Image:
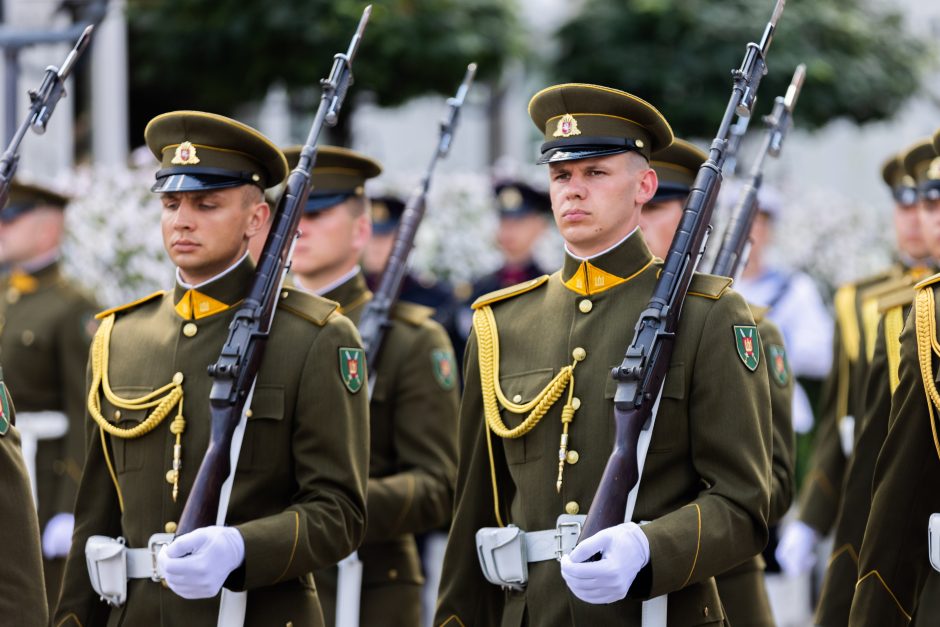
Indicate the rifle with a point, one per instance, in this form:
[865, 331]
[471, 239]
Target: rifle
[234, 373]
[735, 246]
[641, 374]
[375, 319]
[42, 103]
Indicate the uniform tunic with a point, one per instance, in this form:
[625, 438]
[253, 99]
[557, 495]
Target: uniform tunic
[299, 492]
[893, 563]
[46, 325]
[22, 593]
[742, 590]
[413, 461]
[706, 482]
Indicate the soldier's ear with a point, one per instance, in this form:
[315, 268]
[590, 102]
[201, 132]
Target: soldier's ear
[260, 214]
[648, 184]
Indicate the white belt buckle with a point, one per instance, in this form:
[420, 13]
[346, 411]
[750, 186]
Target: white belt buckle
[560, 527]
[156, 542]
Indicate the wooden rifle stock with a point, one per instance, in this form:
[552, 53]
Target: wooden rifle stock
[641, 375]
[235, 371]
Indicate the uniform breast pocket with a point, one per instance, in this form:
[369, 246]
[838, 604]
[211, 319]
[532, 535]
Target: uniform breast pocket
[128, 453]
[264, 438]
[671, 424]
[520, 388]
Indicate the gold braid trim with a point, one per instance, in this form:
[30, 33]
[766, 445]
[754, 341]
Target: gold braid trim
[161, 400]
[484, 325]
[848, 320]
[894, 324]
[925, 325]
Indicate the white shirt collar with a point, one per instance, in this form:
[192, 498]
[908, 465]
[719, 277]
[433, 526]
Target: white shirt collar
[188, 286]
[330, 286]
[603, 252]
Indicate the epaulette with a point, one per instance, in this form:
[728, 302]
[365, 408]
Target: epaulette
[709, 285]
[893, 284]
[899, 298]
[509, 292]
[140, 301]
[758, 312]
[928, 281]
[413, 314]
[315, 309]
[847, 316]
[892, 272]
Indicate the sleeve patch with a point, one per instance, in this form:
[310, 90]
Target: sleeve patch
[747, 342]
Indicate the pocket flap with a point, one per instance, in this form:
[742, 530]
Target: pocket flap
[267, 403]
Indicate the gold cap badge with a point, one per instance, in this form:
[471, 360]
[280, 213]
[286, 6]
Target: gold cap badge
[185, 154]
[510, 198]
[567, 126]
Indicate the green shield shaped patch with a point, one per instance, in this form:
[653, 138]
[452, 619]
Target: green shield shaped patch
[747, 341]
[4, 409]
[445, 368]
[779, 368]
[352, 368]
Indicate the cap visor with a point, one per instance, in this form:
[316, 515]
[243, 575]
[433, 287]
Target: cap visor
[555, 155]
[193, 183]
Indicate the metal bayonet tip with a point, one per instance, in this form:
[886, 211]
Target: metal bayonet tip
[777, 11]
[796, 84]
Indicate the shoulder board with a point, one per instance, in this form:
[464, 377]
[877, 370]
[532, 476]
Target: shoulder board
[878, 290]
[140, 301]
[928, 281]
[411, 313]
[307, 306]
[892, 272]
[899, 298]
[759, 312]
[509, 292]
[709, 285]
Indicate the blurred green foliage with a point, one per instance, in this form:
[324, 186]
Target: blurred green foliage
[861, 62]
[218, 54]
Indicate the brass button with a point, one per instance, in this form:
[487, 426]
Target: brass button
[171, 476]
[579, 354]
[28, 337]
[284, 294]
[572, 457]
[170, 527]
[705, 612]
[576, 403]
[249, 413]
[585, 306]
[190, 329]
[392, 574]
[178, 378]
[572, 507]
[13, 295]
[117, 414]
[517, 398]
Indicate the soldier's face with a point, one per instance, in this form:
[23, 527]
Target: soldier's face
[330, 242]
[910, 234]
[206, 232]
[30, 235]
[659, 221]
[516, 237]
[597, 201]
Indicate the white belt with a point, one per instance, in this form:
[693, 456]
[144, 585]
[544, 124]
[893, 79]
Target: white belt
[551, 544]
[142, 563]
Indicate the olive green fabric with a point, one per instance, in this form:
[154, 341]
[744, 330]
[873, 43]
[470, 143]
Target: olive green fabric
[893, 174]
[574, 114]
[337, 169]
[45, 328]
[838, 586]
[24, 197]
[194, 140]
[936, 141]
[22, 591]
[677, 165]
[920, 162]
[893, 565]
[822, 490]
[742, 590]
[413, 462]
[706, 482]
[299, 493]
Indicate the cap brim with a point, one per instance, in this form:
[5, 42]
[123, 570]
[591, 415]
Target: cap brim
[321, 202]
[194, 183]
[573, 153]
[12, 211]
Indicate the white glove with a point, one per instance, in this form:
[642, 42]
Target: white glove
[796, 551]
[195, 565]
[57, 536]
[625, 550]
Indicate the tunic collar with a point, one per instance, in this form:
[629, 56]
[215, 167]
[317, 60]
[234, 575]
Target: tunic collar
[351, 294]
[215, 295]
[610, 268]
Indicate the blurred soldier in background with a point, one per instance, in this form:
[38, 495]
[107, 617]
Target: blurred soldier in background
[46, 325]
[413, 408]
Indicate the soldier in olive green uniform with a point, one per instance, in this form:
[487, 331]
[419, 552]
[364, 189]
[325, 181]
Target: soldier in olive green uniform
[894, 564]
[536, 420]
[298, 498]
[854, 342]
[22, 593]
[46, 324]
[413, 412]
[742, 589]
[893, 300]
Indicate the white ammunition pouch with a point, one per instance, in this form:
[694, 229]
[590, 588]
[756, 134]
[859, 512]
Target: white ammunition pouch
[847, 435]
[111, 564]
[505, 552]
[933, 541]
